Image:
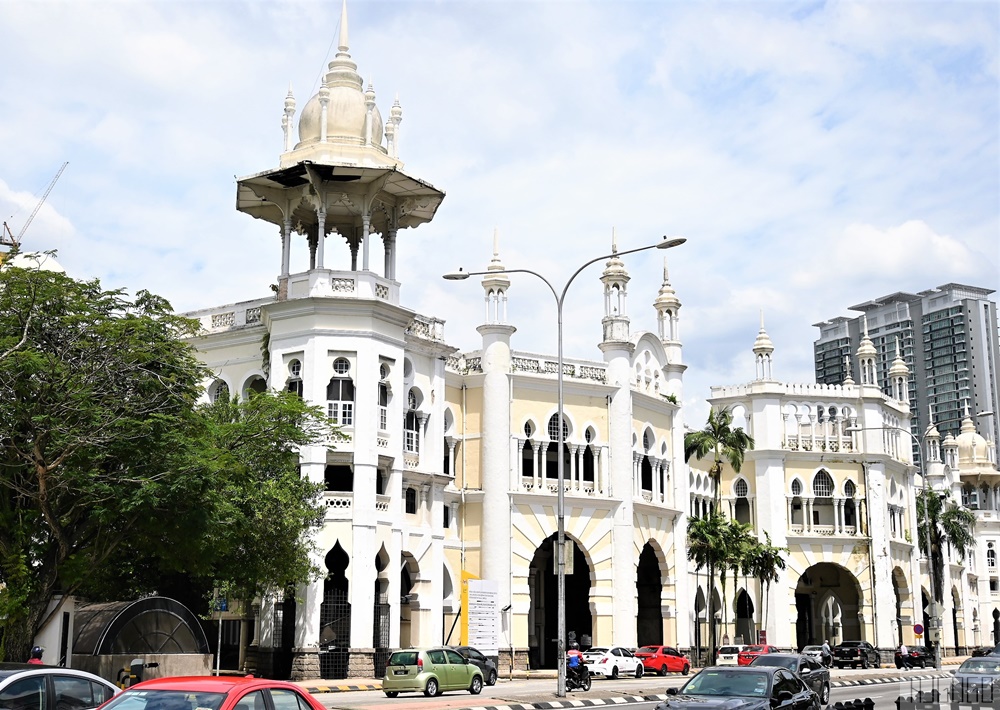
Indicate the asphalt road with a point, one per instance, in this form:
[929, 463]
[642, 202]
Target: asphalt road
[511, 692]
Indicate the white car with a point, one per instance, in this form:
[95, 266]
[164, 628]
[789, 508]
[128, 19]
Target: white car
[612, 662]
[729, 655]
[26, 685]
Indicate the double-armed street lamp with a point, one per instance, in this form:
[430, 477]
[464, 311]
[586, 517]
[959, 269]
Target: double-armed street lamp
[560, 500]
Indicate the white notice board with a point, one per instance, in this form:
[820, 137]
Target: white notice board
[484, 616]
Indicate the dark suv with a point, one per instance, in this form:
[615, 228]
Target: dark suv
[854, 654]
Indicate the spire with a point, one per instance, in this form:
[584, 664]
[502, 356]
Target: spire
[615, 279]
[899, 375]
[343, 45]
[667, 304]
[932, 431]
[495, 284]
[848, 380]
[968, 426]
[866, 357]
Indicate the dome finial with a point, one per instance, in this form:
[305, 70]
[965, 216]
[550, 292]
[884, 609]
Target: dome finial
[496, 243]
[848, 380]
[614, 241]
[342, 44]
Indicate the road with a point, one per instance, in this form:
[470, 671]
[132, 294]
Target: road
[506, 692]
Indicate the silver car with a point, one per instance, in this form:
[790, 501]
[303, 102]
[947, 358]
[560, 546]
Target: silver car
[977, 681]
[33, 687]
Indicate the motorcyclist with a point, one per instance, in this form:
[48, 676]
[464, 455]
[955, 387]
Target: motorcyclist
[574, 662]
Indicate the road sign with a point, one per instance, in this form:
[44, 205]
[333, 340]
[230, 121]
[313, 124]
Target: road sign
[918, 629]
[934, 609]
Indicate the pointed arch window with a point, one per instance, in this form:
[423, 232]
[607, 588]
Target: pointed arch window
[991, 557]
[552, 451]
[411, 501]
[823, 485]
[411, 425]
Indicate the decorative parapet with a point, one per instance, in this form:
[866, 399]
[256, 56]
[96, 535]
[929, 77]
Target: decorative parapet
[426, 328]
[233, 316]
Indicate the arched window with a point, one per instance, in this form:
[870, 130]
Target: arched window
[796, 487]
[647, 441]
[294, 383]
[411, 426]
[218, 390]
[553, 428]
[340, 394]
[742, 508]
[411, 501]
[849, 489]
[823, 485]
[991, 556]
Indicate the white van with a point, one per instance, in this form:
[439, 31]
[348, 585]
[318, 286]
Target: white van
[729, 655]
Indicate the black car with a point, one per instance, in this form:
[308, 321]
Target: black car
[854, 654]
[986, 651]
[915, 658]
[476, 658]
[742, 688]
[814, 673]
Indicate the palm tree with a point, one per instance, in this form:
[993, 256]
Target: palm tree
[728, 445]
[765, 562]
[705, 538]
[736, 543]
[943, 523]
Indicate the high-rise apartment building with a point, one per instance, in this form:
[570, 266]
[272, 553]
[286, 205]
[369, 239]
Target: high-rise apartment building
[947, 336]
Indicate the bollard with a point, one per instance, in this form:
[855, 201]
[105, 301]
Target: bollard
[869, 704]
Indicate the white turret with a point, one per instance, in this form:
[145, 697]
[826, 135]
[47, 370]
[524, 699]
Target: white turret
[866, 357]
[763, 348]
[286, 118]
[899, 377]
[932, 437]
[615, 279]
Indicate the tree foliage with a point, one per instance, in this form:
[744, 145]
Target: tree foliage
[943, 524]
[110, 471]
[725, 443]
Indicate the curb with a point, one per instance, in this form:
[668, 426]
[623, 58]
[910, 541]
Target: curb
[590, 702]
[315, 689]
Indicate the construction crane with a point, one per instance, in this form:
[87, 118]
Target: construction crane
[6, 236]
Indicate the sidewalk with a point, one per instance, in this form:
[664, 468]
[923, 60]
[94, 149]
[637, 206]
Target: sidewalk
[838, 678]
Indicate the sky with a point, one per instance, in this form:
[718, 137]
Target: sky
[815, 155]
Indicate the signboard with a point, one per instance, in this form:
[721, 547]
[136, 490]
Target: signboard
[934, 609]
[918, 629]
[480, 614]
[762, 637]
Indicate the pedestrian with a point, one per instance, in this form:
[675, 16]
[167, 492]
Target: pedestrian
[904, 656]
[36, 656]
[827, 654]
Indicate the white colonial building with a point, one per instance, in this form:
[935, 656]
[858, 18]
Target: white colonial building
[448, 469]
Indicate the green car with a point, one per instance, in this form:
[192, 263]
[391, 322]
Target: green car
[430, 670]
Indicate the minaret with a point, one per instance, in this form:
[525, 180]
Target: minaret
[495, 449]
[668, 307]
[932, 437]
[867, 355]
[899, 377]
[618, 349]
[763, 348]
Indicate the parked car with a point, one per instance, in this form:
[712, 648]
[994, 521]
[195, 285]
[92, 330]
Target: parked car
[854, 654]
[818, 654]
[915, 657]
[24, 685]
[746, 656]
[430, 671]
[213, 693]
[484, 664]
[729, 655]
[612, 662]
[663, 660]
[986, 651]
[811, 671]
[742, 688]
[977, 680]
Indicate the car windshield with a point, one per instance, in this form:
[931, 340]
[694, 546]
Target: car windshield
[771, 659]
[165, 700]
[807, 649]
[981, 666]
[719, 681]
[851, 644]
[597, 651]
[648, 649]
[729, 649]
[753, 649]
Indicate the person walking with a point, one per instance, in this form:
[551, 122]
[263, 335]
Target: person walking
[827, 654]
[904, 656]
[36, 656]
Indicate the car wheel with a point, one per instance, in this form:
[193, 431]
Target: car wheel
[492, 680]
[477, 685]
[638, 671]
[923, 664]
[663, 669]
[864, 663]
[824, 697]
[686, 669]
[614, 673]
[432, 688]
[392, 693]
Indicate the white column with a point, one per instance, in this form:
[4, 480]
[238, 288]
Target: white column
[320, 236]
[366, 223]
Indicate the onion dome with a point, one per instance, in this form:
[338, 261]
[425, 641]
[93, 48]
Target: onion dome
[667, 297]
[899, 368]
[763, 342]
[615, 268]
[972, 448]
[348, 103]
[866, 348]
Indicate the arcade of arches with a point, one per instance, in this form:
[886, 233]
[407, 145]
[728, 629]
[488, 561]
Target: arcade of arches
[827, 601]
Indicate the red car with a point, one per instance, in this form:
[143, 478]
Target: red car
[213, 693]
[663, 660]
[751, 652]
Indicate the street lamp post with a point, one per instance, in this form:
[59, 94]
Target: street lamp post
[560, 494]
[935, 619]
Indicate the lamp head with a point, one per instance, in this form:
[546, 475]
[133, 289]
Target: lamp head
[670, 243]
[456, 275]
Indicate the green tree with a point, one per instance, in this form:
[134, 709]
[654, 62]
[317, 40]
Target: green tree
[725, 443]
[109, 469]
[764, 562]
[705, 539]
[735, 545]
[943, 523]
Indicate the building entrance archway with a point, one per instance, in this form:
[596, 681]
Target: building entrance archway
[828, 600]
[648, 585]
[543, 618]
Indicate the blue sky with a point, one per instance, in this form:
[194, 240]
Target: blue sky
[815, 155]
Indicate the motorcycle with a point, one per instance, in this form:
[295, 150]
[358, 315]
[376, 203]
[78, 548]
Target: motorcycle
[579, 680]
